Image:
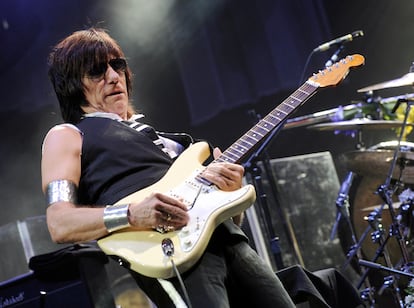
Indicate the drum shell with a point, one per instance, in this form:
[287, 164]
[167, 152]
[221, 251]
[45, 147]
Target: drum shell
[364, 198]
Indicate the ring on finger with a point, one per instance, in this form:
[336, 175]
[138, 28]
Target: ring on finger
[163, 228]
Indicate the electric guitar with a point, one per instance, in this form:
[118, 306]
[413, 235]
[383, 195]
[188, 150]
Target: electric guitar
[145, 251]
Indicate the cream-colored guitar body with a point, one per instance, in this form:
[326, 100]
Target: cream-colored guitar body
[142, 249]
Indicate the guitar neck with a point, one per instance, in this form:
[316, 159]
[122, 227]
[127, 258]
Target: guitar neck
[238, 151]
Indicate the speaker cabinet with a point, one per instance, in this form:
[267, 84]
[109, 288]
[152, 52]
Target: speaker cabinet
[21, 240]
[299, 208]
[26, 291]
[19, 287]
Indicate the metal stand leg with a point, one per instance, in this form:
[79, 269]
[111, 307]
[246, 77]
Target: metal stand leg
[255, 174]
[257, 234]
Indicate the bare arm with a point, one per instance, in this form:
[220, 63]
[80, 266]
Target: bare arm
[61, 161]
[68, 222]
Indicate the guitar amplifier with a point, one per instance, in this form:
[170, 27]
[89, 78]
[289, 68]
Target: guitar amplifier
[21, 240]
[28, 291]
[74, 276]
[306, 188]
[19, 287]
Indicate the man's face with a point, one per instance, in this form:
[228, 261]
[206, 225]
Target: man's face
[105, 87]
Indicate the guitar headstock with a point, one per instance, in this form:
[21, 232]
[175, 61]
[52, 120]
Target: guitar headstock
[332, 75]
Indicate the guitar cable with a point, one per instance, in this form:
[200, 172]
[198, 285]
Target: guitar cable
[168, 249]
[180, 280]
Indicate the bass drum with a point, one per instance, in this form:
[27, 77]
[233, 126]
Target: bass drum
[364, 199]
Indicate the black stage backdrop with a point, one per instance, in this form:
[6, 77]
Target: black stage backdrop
[200, 66]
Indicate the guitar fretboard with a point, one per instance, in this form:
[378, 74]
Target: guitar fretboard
[245, 144]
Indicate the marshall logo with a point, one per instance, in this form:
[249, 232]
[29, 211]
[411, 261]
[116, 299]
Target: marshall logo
[11, 300]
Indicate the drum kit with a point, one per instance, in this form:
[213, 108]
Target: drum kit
[375, 204]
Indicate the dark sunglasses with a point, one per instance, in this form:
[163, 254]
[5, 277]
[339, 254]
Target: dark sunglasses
[98, 70]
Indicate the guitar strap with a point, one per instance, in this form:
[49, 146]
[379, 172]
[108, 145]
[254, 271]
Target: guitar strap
[148, 130]
[169, 146]
[172, 293]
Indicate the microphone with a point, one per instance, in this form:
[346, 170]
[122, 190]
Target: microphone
[339, 40]
[342, 202]
[344, 190]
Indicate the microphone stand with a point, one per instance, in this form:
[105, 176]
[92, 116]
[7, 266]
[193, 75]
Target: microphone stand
[335, 57]
[255, 173]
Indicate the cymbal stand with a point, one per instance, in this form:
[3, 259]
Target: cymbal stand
[384, 268]
[386, 193]
[355, 249]
[395, 228]
[389, 279]
[378, 236]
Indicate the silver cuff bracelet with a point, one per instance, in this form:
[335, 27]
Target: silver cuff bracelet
[61, 190]
[116, 217]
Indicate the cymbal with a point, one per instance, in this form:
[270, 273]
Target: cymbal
[406, 80]
[339, 113]
[378, 163]
[357, 124]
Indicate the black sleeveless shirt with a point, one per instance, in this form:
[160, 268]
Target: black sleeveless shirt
[116, 161]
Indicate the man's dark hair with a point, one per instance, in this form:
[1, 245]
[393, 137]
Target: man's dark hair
[71, 59]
